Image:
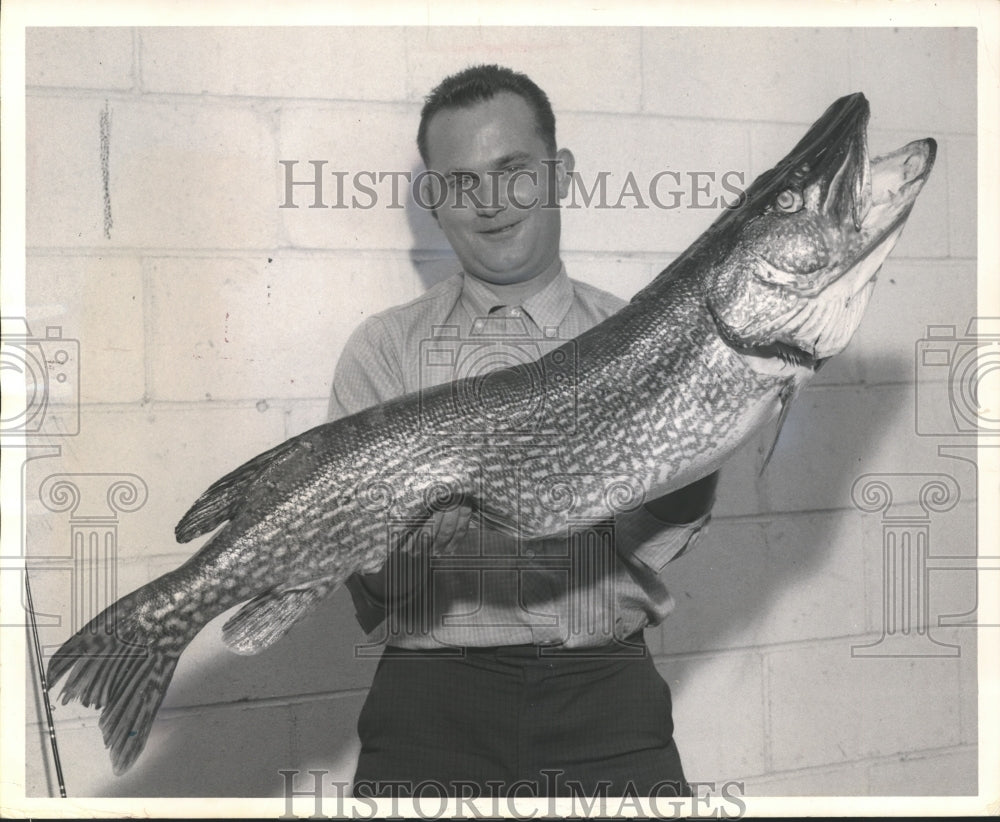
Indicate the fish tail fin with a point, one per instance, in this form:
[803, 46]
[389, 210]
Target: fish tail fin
[116, 664]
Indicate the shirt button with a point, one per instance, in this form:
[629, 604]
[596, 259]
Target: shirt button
[515, 312]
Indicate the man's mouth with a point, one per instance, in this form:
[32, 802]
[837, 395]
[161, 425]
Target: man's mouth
[501, 230]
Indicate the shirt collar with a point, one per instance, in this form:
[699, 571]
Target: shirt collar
[547, 308]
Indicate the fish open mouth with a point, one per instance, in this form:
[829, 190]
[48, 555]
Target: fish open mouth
[864, 200]
[817, 228]
[889, 184]
[886, 190]
[874, 196]
[874, 193]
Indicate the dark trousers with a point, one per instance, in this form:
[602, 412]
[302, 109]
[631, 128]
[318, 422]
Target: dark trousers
[518, 721]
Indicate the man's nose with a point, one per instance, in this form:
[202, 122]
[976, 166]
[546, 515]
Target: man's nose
[490, 199]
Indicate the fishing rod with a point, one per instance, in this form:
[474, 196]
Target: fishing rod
[45, 687]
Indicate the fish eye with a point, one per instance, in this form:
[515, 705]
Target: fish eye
[789, 201]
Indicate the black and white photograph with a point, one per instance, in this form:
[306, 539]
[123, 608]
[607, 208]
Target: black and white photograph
[462, 413]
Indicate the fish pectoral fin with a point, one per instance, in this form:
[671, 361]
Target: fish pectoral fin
[788, 393]
[267, 618]
[497, 523]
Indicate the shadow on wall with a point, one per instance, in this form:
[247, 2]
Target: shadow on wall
[724, 590]
[238, 748]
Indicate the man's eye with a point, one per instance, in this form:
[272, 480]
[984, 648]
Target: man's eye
[462, 179]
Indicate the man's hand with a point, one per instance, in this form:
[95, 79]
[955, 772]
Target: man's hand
[448, 528]
[662, 529]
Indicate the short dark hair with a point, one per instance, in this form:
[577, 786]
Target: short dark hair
[479, 83]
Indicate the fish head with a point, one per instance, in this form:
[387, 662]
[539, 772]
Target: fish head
[800, 255]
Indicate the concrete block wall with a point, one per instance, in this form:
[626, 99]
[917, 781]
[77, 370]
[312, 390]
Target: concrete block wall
[209, 321]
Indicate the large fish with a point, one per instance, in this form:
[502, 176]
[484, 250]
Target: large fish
[712, 350]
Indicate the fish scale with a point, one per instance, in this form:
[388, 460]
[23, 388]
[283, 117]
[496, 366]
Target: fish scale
[649, 401]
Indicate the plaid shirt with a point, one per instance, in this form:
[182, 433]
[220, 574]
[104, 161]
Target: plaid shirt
[582, 590]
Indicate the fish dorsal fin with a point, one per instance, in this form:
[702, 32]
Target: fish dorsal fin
[788, 393]
[220, 501]
[267, 618]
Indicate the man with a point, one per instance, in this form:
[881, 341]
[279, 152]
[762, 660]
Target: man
[508, 667]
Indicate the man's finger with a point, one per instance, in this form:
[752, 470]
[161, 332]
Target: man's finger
[450, 526]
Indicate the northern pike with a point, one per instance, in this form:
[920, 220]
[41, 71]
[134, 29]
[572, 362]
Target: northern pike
[712, 350]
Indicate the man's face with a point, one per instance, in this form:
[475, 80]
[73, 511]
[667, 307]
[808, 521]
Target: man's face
[490, 158]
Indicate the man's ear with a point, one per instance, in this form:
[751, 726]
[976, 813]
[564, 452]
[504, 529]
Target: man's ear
[565, 163]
